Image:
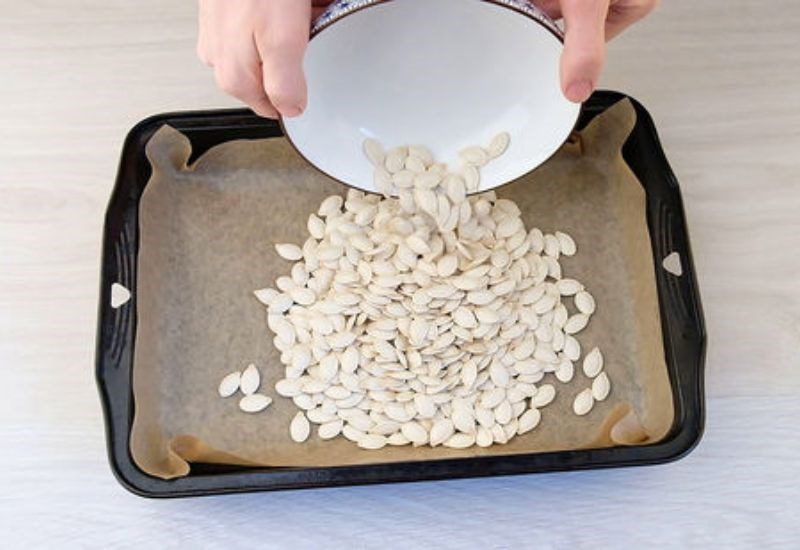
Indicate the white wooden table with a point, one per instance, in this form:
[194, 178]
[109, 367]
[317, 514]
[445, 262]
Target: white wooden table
[723, 84]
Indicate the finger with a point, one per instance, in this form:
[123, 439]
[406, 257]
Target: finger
[584, 47]
[239, 74]
[624, 13]
[282, 44]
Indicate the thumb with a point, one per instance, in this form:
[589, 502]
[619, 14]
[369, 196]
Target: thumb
[584, 47]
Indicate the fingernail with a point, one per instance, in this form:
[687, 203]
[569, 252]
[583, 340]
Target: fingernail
[295, 110]
[580, 91]
[264, 113]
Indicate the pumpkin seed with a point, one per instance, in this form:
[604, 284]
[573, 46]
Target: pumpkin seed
[593, 363]
[601, 386]
[428, 319]
[255, 402]
[230, 384]
[250, 380]
[288, 251]
[583, 402]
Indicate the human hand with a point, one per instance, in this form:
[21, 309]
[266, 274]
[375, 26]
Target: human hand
[589, 24]
[256, 47]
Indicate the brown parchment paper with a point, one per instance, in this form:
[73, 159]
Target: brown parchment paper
[206, 242]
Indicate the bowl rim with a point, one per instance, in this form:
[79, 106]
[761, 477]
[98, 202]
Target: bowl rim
[543, 20]
[534, 13]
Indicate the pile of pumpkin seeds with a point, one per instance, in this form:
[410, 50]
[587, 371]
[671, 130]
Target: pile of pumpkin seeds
[429, 315]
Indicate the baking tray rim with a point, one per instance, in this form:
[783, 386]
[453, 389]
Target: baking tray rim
[682, 323]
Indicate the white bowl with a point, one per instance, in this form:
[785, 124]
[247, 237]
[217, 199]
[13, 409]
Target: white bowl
[446, 74]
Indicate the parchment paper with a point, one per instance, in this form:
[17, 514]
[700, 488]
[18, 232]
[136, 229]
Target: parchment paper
[206, 242]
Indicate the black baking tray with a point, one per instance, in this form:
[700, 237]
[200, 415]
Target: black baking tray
[679, 303]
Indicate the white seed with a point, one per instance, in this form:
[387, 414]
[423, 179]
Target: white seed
[484, 416]
[330, 206]
[302, 296]
[288, 251]
[319, 416]
[566, 243]
[255, 402]
[422, 153]
[329, 253]
[536, 237]
[425, 406]
[585, 303]
[299, 429]
[583, 402]
[415, 165]
[572, 349]
[415, 433]
[507, 227]
[463, 420]
[492, 398]
[524, 350]
[395, 159]
[352, 434]
[229, 384]
[576, 323]
[528, 421]
[447, 265]
[288, 388]
[321, 324]
[441, 431]
[483, 437]
[499, 375]
[331, 429]
[480, 297]
[349, 360]
[568, 287]
[565, 371]
[472, 178]
[418, 245]
[474, 156]
[328, 367]
[426, 200]
[593, 363]
[372, 441]
[503, 412]
[487, 315]
[341, 340]
[510, 429]
[460, 440]
[498, 144]
[397, 439]
[544, 396]
[316, 227]
[552, 247]
[374, 151]
[250, 380]
[456, 189]
[465, 318]
[601, 386]
[266, 295]
[285, 284]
